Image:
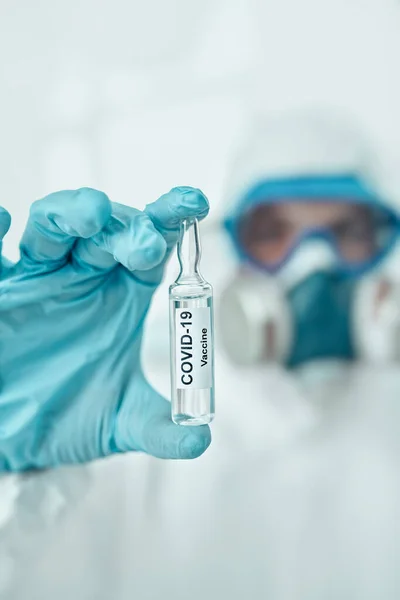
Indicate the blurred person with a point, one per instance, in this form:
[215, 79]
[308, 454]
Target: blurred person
[309, 220]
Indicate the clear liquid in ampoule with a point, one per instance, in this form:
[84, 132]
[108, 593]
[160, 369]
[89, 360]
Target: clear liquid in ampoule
[191, 332]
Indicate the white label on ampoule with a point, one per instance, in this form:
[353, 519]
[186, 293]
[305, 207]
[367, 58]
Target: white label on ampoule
[193, 348]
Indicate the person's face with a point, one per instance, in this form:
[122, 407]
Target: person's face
[269, 231]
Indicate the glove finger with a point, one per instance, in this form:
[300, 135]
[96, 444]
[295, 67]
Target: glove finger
[144, 423]
[133, 238]
[167, 213]
[56, 221]
[129, 238]
[170, 209]
[5, 222]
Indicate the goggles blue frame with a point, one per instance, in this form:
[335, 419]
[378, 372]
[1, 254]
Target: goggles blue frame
[319, 189]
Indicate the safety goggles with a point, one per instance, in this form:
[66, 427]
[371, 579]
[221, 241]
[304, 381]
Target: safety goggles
[360, 232]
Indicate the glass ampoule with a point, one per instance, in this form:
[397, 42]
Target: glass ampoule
[191, 335]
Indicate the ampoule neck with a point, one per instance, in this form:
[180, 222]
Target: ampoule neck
[189, 252]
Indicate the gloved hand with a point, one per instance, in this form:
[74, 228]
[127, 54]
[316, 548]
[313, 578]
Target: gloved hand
[71, 322]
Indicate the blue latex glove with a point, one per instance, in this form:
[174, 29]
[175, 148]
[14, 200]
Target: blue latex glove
[71, 322]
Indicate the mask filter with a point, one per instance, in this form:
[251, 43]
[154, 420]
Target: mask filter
[377, 320]
[254, 320]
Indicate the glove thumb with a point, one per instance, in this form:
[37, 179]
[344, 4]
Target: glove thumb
[143, 422]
